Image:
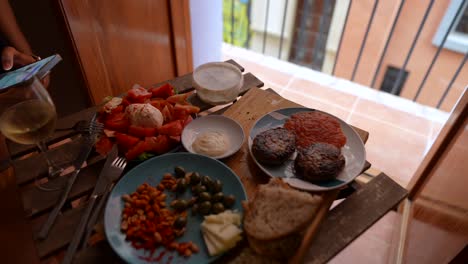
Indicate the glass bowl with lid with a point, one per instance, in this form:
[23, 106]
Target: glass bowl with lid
[217, 82]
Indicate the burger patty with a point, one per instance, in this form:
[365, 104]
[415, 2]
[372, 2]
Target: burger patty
[319, 162]
[274, 146]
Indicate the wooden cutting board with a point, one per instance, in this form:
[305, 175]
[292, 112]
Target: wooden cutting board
[253, 105]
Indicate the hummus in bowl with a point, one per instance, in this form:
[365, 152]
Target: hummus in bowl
[215, 136]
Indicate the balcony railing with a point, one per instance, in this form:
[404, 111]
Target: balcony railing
[305, 31]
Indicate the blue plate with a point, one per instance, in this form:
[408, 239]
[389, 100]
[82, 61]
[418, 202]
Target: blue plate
[353, 152]
[151, 172]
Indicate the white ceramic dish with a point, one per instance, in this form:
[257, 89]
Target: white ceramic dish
[353, 152]
[215, 123]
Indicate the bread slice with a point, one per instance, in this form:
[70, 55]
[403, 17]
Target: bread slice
[277, 211]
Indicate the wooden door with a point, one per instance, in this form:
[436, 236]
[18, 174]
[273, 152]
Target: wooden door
[121, 43]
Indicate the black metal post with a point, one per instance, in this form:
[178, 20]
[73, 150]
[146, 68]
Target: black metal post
[441, 46]
[363, 44]
[452, 81]
[392, 29]
[402, 69]
[341, 36]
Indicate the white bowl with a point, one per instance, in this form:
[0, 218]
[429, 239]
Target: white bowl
[225, 125]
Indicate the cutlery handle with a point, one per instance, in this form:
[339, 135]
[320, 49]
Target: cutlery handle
[94, 217]
[53, 215]
[74, 244]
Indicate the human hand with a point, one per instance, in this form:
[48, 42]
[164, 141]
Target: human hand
[13, 58]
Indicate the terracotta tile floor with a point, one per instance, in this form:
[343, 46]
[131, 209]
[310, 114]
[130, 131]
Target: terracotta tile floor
[401, 132]
[398, 139]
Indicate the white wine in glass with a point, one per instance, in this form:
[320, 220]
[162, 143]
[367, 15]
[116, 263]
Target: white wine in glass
[28, 116]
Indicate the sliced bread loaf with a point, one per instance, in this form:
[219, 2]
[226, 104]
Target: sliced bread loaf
[277, 211]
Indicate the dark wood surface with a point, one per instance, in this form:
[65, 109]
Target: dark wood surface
[349, 219]
[37, 204]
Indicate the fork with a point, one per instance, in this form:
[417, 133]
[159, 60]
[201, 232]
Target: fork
[106, 178]
[120, 163]
[83, 127]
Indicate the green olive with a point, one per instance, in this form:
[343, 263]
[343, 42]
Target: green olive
[207, 181]
[216, 186]
[217, 208]
[192, 201]
[195, 178]
[204, 196]
[179, 172]
[217, 197]
[196, 190]
[180, 222]
[229, 201]
[205, 208]
[179, 204]
[181, 185]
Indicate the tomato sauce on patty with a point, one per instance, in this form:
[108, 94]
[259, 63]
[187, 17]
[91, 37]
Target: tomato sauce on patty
[313, 127]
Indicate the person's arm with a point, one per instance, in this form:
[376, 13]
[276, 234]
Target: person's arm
[10, 29]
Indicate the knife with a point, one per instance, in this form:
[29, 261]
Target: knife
[104, 180]
[78, 163]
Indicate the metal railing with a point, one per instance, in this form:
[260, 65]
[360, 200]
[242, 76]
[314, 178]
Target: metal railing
[300, 50]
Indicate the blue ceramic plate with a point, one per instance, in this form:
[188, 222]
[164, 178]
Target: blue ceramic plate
[353, 152]
[151, 172]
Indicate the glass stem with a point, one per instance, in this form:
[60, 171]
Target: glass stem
[54, 170]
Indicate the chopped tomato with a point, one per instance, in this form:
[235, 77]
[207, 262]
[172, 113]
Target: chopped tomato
[159, 144]
[142, 131]
[104, 145]
[163, 91]
[188, 120]
[126, 141]
[166, 112]
[138, 149]
[109, 133]
[138, 95]
[179, 114]
[118, 109]
[179, 98]
[159, 103]
[190, 109]
[175, 138]
[173, 128]
[125, 101]
[117, 122]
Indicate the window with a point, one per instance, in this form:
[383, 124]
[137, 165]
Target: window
[457, 40]
[390, 78]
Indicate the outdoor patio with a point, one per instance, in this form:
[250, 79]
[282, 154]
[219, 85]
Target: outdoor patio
[401, 132]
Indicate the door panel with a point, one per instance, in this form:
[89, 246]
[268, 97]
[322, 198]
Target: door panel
[434, 225]
[120, 43]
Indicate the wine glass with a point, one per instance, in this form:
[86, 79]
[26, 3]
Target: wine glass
[28, 116]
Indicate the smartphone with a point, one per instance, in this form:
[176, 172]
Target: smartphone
[39, 68]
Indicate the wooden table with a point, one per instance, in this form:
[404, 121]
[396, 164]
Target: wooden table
[324, 238]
